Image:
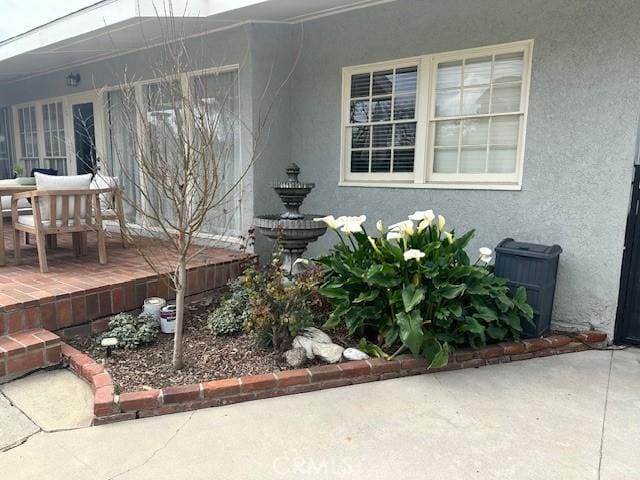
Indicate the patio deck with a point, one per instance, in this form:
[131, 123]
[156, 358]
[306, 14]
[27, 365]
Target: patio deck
[78, 293]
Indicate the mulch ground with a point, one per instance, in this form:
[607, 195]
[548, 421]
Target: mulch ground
[206, 357]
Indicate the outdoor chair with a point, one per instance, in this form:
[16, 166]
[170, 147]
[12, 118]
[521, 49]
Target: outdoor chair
[59, 212]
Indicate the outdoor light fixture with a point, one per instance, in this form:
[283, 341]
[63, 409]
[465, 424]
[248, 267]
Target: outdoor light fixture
[109, 343]
[73, 80]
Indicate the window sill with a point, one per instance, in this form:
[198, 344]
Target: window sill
[435, 186]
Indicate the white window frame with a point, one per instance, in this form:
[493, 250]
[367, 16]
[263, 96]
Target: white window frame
[423, 176]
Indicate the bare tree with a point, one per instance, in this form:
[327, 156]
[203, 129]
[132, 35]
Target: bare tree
[182, 187]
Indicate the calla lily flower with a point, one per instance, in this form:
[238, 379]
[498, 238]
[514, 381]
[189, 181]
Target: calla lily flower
[421, 215]
[393, 236]
[352, 224]
[380, 226]
[331, 222]
[405, 227]
[441, 223]
[413, 254]
[448, 236]
[485, 254]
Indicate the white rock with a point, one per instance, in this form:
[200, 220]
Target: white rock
[328, 352]
[316, 335]
[304, 343]
[295, 357]
[354, 354]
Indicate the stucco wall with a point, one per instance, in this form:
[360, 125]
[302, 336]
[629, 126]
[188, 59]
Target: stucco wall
[583, 116]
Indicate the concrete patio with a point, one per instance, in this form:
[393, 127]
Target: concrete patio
[574, 416]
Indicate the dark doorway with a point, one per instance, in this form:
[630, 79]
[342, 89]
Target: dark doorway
[628, 318]
[85, 137]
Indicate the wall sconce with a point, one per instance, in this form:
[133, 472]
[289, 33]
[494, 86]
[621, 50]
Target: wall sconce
[73, 80]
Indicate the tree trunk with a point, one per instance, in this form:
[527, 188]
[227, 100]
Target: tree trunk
[181, 285]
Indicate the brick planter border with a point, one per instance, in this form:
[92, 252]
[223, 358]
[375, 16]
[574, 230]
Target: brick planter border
[110, 407]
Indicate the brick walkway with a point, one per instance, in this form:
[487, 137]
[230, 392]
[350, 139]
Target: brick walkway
[79, 290]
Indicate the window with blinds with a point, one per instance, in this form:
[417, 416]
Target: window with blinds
[55, 149]
[438, 120]
[28, 137]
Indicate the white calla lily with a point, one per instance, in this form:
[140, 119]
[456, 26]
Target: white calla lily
[380, 226]
[352, 224]
[405, 227]
[448, 236]
[421, 215]
[413, 254]
[441, 223]
[393, 236]
[485, 251]
[330, 221]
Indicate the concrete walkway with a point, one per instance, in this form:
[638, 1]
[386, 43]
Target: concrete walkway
[574, 416]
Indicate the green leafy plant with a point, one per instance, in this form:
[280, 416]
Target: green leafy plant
[132, 331]
[232, 313]
[414, 287]
[18, 170]
[280, 306]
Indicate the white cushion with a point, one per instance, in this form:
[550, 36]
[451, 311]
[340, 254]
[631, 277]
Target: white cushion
[53, 182]
[5, 201]
[101, 181]
[29, 220]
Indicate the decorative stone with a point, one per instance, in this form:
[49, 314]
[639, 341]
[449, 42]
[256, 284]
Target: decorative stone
[328, 352]
[316, 335]
[354, 354]
[305, 343]
[295, 357]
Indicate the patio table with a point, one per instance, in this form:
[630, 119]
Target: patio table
[8, 191]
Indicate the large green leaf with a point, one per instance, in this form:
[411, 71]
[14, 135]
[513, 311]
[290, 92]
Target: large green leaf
[411, 333]
[334, 292]
[367, 296]
[452, 291]
[412, 296]
[440, 359]
[472, 325]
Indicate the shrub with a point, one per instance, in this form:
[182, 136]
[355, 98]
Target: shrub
[279, 307]
[132, 331]
[414, 286]
[232, 313]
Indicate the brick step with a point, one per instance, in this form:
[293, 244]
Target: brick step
[28, 350]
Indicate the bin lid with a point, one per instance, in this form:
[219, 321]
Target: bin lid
[526, 249]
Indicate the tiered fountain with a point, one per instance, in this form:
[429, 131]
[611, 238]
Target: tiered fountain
[292, 229]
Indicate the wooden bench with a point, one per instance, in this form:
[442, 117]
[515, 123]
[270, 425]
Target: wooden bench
[73, 211]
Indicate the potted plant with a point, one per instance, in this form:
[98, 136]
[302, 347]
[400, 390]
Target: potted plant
[18, 171]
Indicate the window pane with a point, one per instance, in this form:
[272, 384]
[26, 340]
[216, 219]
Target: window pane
[475, 100]
[360, 137]
[382, 135]
[405, 135]
[477, 71]
[504, 130]
[447, 133]
[403, 160]
[506, 98]
[381, 161]
[445, 161]
[45, 117]
[508, 67]
[406, 79]
[381, 109]
[360, 161]
[382, 83]
[475, 131]
[359, 111]
[449, 75]
[502, 160]
[405, 107]
[447, 103]
[360, 85]
[472, 160]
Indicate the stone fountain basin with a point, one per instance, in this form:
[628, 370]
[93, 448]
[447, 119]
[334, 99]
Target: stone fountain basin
[284, 229]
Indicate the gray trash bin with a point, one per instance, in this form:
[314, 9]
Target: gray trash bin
[533, 267]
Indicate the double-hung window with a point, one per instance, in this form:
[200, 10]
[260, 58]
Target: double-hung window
[453, 120]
